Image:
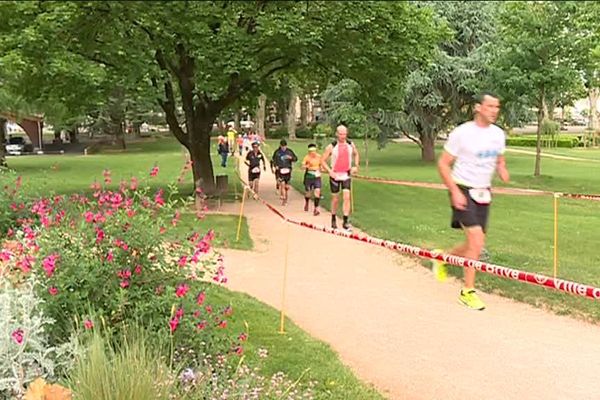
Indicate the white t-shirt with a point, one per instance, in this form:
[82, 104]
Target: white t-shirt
[476, 150]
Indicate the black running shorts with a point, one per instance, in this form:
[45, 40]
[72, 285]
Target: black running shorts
[336, 185]
[312, 182]
[285, 178]
[474, 215]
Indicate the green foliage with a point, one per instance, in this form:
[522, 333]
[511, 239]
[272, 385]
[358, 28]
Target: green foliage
[26, 352]
[11, 199]
[531, 141]
[132, 369]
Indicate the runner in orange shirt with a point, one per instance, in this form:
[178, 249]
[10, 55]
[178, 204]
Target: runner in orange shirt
[312, 178]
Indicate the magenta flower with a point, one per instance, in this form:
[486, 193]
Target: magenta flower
[228, 311]
[196, 314]
[138, 269]
[222, 324]
[182, 261]
[110, 256]
[182, 290]
[88, 324]
[243, 337]
[201, 325]
[124, 274]
[5, 255]
[124, 284]
[200, 299]
[208, 309]
[99, 235]
[173, 324]
[134, 183]
[179, 313]
[18, 336]
[53, 290]
[154, 171]
[239, 350]
[158, 198]
[49, 264]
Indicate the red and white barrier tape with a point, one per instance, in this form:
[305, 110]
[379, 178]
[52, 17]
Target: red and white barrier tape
[561, 285]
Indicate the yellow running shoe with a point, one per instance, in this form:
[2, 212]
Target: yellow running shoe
[469, 298]
[439, 268]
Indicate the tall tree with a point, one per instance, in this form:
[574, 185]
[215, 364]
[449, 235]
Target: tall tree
[538, 50]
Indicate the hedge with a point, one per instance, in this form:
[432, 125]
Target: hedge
[531, 141]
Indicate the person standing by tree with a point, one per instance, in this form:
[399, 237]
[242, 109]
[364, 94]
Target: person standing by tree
[223, 151]
[253, 160]
[312, 178]
[472, 153]
[342, 152]
[283, 158]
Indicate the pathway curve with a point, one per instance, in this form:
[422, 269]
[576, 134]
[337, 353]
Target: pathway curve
[401, 330]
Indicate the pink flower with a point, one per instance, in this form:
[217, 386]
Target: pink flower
[243, 337]
[239, 350]
[182, 290]
[110, 256]
[179, 313]
[134, 183]
[124, 284]
[18, 336]
[173, 324]
[5, 255]
[53, 290]
[196, 313]
[208, 309]
[95, 186]
[130, 213]
[182, 261]
[107, 178]
[228, 311]
[99, 235]
[124, 274]
[138, 269]
[49, 264]
[201, 325]
[222, 324]
[200, 299]
[88, 324]
[158, 198]
[162, 230]
[154, 171]
[176, 218]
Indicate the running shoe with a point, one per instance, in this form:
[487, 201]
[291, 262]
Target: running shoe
[469, 298]
[316, 212]
[346, 226]
[439, 269]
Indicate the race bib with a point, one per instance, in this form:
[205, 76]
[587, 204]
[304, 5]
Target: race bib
[284, 171]
[256, 170]
[481, 196]
[341, 176]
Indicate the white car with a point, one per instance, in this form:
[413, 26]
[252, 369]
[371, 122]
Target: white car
[16, 145]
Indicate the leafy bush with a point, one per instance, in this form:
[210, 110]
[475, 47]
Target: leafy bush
[531, 141]
[106, 258]
[25, 351]
[11, 200]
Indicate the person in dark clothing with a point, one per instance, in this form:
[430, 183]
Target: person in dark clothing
[282, 160]
[223, 150]
[253, 160]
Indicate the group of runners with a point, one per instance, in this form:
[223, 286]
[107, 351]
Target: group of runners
[340, 160]
[473, 152]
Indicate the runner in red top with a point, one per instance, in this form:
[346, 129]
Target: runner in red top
[342, 153]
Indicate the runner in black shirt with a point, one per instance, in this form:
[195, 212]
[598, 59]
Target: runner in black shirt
[283, 158]
[253, 160]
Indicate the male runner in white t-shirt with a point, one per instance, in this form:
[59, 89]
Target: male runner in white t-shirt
[473, 152]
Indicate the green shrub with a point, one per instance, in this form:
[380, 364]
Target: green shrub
[12, 206]
[531, 141]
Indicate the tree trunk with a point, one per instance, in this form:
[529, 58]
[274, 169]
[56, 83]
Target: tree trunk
[428, 148]
[291, 114]
[261, 114]
[304, 99]
[202, 168]
[73, 134]
[236, 121]
[593, 95]
[3, 123]
[542, 113]
[137, 132]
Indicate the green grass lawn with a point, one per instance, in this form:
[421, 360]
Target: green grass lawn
[521, 228]
[295, 352]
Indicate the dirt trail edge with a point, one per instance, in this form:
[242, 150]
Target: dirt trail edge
[399, 329]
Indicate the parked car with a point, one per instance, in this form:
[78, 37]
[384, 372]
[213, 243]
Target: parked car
[17, 145]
